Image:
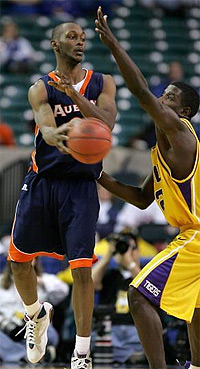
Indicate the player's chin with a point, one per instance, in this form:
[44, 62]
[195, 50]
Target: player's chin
[79, 59]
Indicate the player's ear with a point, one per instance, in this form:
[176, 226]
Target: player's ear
[55, 45]
[186, 111]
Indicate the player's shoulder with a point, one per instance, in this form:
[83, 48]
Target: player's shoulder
[103, 75]
[108, 81]
[108, 77]
[38, 85]
[37, 90]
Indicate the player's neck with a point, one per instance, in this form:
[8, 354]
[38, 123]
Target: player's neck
[76, 72]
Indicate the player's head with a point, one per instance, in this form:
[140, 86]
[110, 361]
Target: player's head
[182, 98]
[68, 42]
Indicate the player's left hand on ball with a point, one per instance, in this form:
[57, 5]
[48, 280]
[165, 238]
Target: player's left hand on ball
[64, 130]
[63, 83]
[103, 29]
[57, 137]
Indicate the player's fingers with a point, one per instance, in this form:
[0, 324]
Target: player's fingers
[97, 23]
[63, 128]
[100, 15]
[101, 33]
[105, 18]
[62, 148]
[51, 83]
[64, 138]
[58, 74]
[99, 30]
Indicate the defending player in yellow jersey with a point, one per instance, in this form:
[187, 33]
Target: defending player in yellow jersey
[172, 278]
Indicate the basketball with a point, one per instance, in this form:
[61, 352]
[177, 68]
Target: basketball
[89, 140]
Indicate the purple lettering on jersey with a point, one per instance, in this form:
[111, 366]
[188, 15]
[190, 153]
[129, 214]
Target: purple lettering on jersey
[186, 192]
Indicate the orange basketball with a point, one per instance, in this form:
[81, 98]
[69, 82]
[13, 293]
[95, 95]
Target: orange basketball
[89, 140]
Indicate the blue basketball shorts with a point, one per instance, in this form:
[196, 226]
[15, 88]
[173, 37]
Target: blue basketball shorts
[57, 218]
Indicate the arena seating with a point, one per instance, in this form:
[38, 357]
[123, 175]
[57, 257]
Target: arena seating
[152, 40]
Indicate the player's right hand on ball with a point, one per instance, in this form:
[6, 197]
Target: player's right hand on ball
[57, 137]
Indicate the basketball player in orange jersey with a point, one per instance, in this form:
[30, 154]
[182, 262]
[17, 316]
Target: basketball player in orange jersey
[172, 279]
[58, 207]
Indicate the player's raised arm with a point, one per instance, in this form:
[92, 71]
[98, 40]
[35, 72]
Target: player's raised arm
[141, 197]
[164, 117]
[44, 118]
[106, 106]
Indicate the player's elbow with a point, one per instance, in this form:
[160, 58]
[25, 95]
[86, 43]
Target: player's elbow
[143, 203]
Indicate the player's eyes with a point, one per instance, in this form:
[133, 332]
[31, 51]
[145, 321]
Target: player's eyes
[71, 37]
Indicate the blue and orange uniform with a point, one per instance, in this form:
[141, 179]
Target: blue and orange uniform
[172, 278]
[58, 206]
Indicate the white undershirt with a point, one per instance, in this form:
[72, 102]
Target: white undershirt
[78, 86]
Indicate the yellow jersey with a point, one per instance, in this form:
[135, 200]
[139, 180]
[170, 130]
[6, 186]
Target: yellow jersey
[179, 200]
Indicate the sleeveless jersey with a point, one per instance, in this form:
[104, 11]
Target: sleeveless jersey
[179, 200]
[48, 160]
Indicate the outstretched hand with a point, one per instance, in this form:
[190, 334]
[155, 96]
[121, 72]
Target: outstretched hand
[63, 83]
[57, 137]
[102, 28]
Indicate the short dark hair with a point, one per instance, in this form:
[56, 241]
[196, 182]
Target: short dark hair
[56, 32]
[190, 97]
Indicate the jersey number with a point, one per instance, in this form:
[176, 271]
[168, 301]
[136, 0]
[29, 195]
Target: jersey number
[159, 192]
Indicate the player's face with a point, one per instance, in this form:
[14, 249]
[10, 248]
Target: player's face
[72, 43]
[172, 98]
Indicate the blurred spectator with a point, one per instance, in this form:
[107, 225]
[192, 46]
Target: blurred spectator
[112, 276]
[17, 54]
[175, 73]
[173, 7]
[12, 348]
[22, 7]
[4, 246]
[61, 9]
[27, 137]
[131, 216]
[52, 266]
[6, 135]
[107, 214]
[147, 138]
[90, 6]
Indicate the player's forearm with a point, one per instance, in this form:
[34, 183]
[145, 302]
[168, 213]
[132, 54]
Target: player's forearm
[47, 125]
[130, 194]
[132, 75]
[89, 109]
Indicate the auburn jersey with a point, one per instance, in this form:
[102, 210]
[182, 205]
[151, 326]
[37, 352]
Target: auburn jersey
[178, 199]
[48, 160]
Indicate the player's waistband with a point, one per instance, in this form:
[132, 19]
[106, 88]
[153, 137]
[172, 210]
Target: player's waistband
[67, 177]
[186, 227]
